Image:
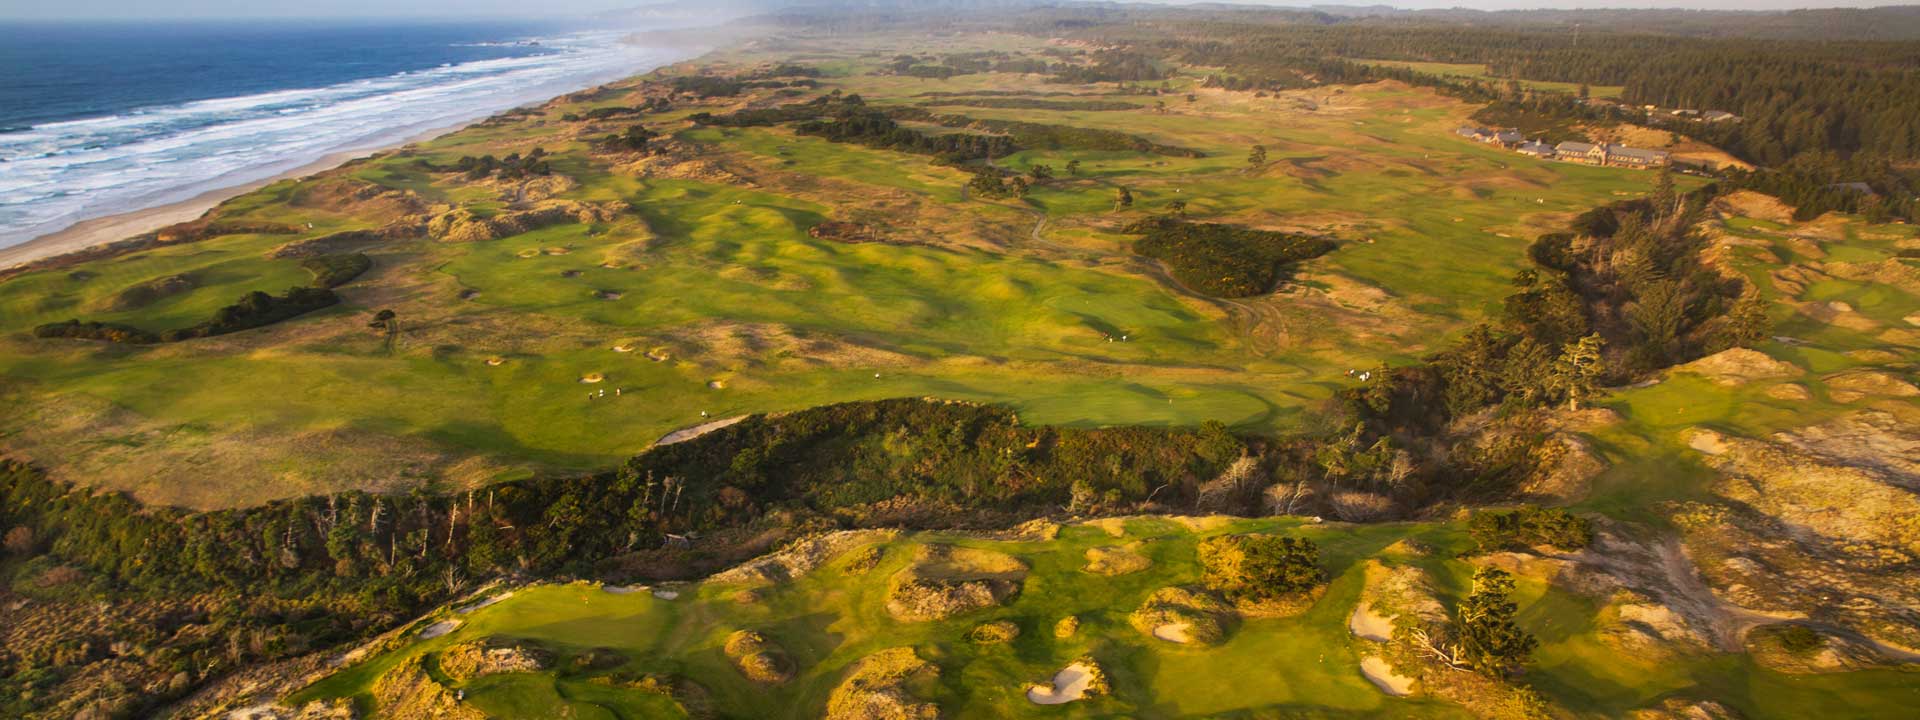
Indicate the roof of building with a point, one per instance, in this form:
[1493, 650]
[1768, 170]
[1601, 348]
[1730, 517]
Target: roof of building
[1537, 147]
[1574, 148]
[1636, 153]
[1509, 136]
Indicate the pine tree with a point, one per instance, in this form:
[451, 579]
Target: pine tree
[1487, 638]
[1577, 371]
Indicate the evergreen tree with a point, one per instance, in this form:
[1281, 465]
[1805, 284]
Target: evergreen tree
[1576, 373]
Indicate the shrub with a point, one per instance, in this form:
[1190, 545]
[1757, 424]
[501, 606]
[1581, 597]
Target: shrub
[256, 309]
[1529, 526]
[110, 332]
[1254, 568]
[1224, 260]
[331, 271]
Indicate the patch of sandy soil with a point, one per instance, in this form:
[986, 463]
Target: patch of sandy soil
[689, 433]
[1114, 527]
[1203, 523]
[485, 603]
[1383, 676]
[1747, 203]
[1112, 560]
[438, 629]
[1739, 366]
[1173, 633]
[1370, 625]
[1069, 684]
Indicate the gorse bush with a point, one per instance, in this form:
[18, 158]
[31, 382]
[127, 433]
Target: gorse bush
[1224, 260]
[331, 271]
[1528, 526]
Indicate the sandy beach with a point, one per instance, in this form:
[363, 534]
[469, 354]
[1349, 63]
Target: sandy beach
[120, 226]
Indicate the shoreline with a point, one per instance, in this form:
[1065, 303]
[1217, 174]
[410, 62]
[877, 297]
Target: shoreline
[124, 225]
[114, 227]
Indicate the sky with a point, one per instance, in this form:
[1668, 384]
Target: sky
[127, 9]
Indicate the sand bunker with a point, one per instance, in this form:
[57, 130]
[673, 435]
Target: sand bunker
[1183, 615]
[622, 589]
[1174, 633]
[486, 603]
[440, 628]
[1069, 684]
[592, 378]
[1382, 676]
[496, 361]
[623, 348]
[1370, 625]
[666, 594]
[556, 251]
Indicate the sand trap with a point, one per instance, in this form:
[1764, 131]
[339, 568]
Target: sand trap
[717, 384]
[622, 589]
[608, 295]
[485, 603]
[666, 594]
[689, 433]
[1069, 684]
[623, 348]
[1369, 625]
[1382, 676]
[440, 628]
[592, 378]
[496, 361]
[528, 253]
[1174, 633]
[658, 355]
[1114, 527]
[556, 251]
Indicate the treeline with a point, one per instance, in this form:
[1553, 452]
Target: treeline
[1793, 97]
[836, 461]
[1043, 136]
[255, 309]
[1224, 260]
[875, 129]
[512, 167]
[1623, 293]
[1022, 103]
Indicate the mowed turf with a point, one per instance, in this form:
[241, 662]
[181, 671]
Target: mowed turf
[1036, 303]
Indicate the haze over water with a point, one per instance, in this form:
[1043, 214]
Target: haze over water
[103, 118]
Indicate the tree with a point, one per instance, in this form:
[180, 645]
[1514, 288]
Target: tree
[1577, 371]
[1177, 207]
[1486, 638]
[1258, 156]
[1073, 168]
[1122, 198]
[1040, 172]
[382, 320]
[1746, 323]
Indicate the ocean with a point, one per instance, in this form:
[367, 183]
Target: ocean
[100, 118]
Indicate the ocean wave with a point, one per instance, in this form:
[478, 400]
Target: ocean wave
[55, 174]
